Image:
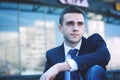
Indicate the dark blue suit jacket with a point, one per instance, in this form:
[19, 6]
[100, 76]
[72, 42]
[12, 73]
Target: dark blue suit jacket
[93, 51]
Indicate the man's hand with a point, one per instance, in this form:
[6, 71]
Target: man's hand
[50, 74]
[54, 70]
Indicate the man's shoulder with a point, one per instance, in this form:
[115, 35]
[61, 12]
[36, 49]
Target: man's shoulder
[95, 35]
[55, 49]
[95, 39]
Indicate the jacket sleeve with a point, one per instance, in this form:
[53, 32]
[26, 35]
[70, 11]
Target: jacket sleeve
[98, 56]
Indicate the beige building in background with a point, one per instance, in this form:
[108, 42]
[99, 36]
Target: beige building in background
[34, 41]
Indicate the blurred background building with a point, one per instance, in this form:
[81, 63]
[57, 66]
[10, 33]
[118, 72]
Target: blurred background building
[29, 27]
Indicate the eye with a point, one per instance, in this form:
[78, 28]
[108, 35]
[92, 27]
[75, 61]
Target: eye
[80, 23]
[70, 23]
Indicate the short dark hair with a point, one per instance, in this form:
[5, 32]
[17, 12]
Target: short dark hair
[69, 9]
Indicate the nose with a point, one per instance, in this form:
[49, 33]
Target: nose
[75, 27]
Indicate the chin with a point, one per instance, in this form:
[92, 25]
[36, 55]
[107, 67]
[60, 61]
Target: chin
[76, 41]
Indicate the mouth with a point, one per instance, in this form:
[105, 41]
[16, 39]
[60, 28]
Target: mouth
[74, 35]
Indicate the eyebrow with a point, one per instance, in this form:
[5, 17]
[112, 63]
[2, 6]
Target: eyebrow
[81, 22]
[69, 22]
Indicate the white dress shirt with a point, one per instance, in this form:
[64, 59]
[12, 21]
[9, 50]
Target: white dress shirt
[71, 62]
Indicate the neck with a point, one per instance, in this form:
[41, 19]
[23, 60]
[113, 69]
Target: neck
[72, 45]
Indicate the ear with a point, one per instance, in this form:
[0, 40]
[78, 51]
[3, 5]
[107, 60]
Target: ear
[60, 27]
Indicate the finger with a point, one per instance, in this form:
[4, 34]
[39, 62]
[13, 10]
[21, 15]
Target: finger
[47, 78]
[43, 78]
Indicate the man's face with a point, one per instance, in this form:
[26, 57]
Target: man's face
[73, 27]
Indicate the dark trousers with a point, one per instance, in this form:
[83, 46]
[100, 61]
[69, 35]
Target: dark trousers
[95, 73]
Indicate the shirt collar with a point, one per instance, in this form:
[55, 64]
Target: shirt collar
[67, 48]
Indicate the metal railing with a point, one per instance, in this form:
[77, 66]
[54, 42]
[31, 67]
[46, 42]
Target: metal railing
[112, 75]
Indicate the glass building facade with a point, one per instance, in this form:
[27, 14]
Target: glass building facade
[24, 38]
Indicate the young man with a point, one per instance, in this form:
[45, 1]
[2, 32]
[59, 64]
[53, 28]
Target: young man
[91, 56]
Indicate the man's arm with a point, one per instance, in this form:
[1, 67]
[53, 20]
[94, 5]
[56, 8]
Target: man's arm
[51, 73]
[99, 54]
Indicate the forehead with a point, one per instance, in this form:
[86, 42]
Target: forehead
[73, 17]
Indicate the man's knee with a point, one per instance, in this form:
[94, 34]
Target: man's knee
[96, 72]
[97, 69]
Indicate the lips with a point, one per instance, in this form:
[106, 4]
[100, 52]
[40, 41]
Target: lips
[75, 35]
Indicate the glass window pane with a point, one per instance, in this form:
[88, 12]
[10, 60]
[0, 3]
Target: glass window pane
[37, 34]
[8, 42]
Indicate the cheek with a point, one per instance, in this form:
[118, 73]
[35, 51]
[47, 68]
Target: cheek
[65, 32]
[82, 29]
[64, 29]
